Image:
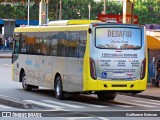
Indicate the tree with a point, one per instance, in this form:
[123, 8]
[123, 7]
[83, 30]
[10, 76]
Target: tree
[148, 11]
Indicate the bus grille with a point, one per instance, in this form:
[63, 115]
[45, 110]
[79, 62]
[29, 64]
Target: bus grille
[119, 85]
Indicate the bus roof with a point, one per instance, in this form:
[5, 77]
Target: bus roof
[51, 28]
[63, 25]
[71, 22]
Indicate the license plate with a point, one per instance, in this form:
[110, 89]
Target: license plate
[118, 74]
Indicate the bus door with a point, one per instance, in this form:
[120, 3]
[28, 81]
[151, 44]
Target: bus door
[76, 48]
[15, 55]
[46, 61]
[34, 69]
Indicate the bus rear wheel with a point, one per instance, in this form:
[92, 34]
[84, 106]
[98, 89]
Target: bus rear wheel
[59, 93]
[25, 86]
[106, 95]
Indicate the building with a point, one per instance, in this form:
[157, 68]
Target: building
[7, 25]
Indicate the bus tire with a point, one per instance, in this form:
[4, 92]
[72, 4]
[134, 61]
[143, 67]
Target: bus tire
[59, 93]
[135, 92]
[25, 86]
[106, 95]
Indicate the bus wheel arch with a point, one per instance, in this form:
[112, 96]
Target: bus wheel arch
[58, 87]
[21, 73]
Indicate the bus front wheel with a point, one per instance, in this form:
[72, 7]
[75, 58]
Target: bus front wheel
[24, 83]
[59, 93]
[106, 95]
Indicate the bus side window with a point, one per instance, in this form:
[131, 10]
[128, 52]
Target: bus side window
[23, 43]
[30, 41]
[82, 43]
[54, 42]
[16, 47]
[73, 44]
[46, 43]
[38, 43]
[62, 38]
[16, 43]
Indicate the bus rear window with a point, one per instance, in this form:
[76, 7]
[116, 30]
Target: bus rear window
[118, 38]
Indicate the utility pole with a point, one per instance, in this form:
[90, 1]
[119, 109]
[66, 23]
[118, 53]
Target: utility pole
[43, 12]
[28, 10]
[89, 11]
[104, 7]
[60, 11]
[128, 11]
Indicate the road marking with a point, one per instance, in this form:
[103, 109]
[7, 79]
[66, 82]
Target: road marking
[63, 104]
[126, 106]
[3, 106]
[84, 118]
[136, 104]
[9, 97]
[8, 65]
[145, 102]
[155, 101]
[103, 118]
[46, 105]
[99, 106]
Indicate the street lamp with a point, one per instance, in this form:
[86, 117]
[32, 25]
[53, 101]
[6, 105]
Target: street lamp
[89, 9]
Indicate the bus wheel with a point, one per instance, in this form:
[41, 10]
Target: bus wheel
[59, 93]
[106, 95]
[24, 84]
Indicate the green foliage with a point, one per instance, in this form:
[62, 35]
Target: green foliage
[148, 11]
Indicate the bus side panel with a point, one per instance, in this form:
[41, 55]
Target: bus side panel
[88, 82]
[33, 70]
[60, 67]
[75, 74]
[22, 63]
[15, 68]
[46, 77]
[19, 64]
[143, 83]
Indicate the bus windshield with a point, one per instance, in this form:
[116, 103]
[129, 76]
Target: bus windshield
[118, 38]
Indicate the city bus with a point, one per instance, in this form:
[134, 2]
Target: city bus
[81, 57]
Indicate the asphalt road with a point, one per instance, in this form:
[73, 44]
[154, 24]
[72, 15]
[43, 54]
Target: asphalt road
[86, 106]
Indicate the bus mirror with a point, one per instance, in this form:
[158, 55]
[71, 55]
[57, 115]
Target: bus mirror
[90, 30]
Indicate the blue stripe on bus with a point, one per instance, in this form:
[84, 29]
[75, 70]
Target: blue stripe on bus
[36, 65]
[28, 62]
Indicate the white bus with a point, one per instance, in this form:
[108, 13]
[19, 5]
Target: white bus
[81, 56]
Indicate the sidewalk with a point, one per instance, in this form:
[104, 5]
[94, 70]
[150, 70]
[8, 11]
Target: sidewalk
[150, 93]
[5, 53]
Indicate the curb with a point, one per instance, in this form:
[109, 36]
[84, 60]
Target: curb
[15, 102]
[141, 96]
